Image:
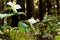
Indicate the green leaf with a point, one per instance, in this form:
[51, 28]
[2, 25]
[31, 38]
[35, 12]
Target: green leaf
[4, 15]
[22, 27]
[1, 32]
[57, 37]
[7, 8]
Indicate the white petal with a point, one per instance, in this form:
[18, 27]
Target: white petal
[10, 3]
[17, 6]
[32, 21]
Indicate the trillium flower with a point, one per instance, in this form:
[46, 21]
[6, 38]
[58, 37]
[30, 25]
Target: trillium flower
[14, 6]
[32, 21]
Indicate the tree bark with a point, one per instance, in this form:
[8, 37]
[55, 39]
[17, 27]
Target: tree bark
[57, 2]
[1, 5]
[30, 8]
[49, 6]
[42, 9]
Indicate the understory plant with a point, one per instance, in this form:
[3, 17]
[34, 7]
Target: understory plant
[48, 28]
[10, 10]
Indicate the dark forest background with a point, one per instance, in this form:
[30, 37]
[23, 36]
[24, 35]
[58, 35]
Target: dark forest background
[35, 8]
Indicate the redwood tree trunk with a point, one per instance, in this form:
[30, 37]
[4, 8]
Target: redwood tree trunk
[42, 9]
[49, 6]
[30, 8]
[57, 2]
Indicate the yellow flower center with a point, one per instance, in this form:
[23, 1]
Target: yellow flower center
[12, 7]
